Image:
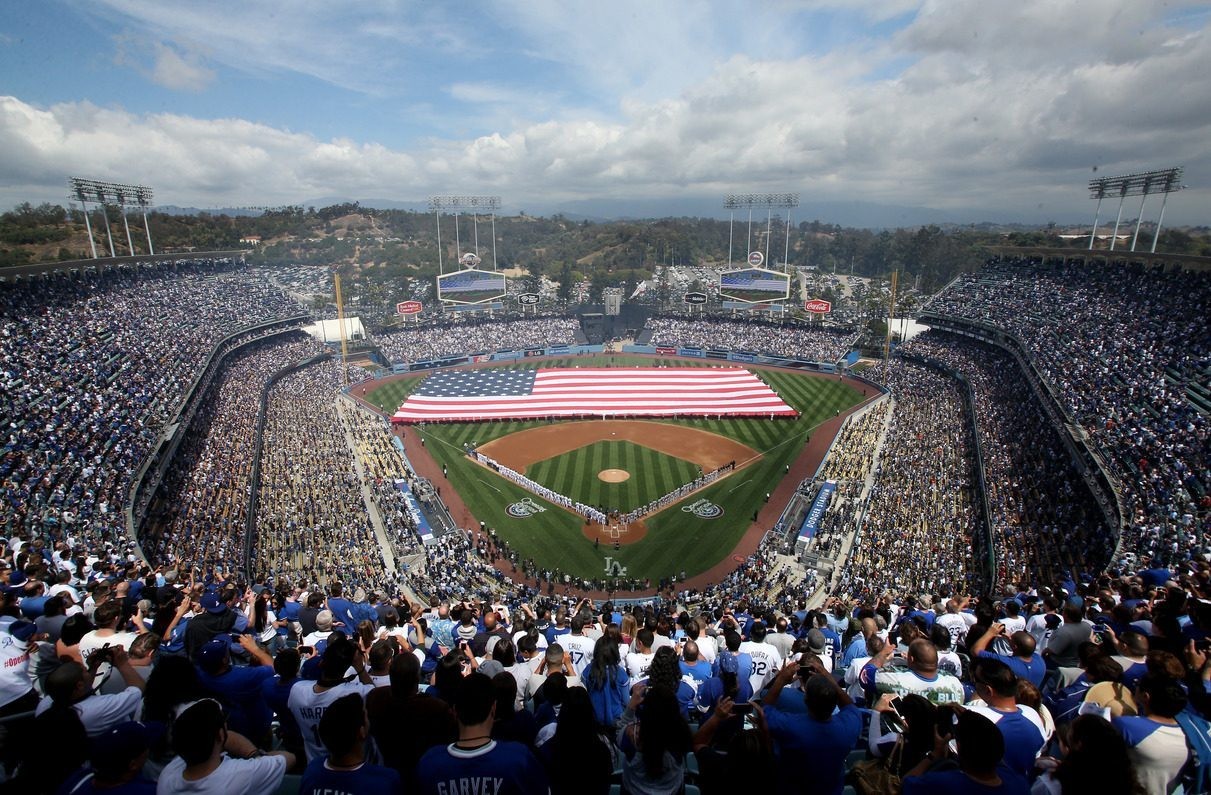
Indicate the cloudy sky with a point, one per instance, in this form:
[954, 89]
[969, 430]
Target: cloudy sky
[1002, 109]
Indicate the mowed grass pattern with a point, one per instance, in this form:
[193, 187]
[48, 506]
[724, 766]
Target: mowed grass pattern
[677, 541]
[575, 474]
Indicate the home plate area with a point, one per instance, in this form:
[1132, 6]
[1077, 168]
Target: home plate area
[652, 466]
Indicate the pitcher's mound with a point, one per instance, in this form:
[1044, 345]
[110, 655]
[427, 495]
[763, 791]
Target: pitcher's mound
[613, 475]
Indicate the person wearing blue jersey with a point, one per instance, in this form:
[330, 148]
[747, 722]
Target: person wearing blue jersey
[1021, 726]
[980, 772]
[344, 729]
[1024, 662]
[477, 763]
[817, 740]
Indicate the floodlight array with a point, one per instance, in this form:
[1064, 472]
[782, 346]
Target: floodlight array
[736, 201]
[490, 203]
[120, 194]
[1167, 180]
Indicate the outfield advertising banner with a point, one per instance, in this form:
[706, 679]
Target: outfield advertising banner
[559, 350]
[742, 357]
[695, 352]
[666, 351]
[532, 352]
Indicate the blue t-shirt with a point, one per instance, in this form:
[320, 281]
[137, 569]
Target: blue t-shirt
[805, 744]
[344, 611]
[501, 768]
[366, 780]
[956, 782]
[240, 692]
[1032, 671]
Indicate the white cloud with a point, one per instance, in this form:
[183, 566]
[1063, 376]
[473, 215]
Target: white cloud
[976, 105]
[180, 71]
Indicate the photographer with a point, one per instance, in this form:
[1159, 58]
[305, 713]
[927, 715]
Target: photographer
[817, 741]
[70, 687]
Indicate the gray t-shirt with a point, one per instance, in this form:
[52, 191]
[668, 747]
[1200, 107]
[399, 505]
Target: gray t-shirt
[1065, 641]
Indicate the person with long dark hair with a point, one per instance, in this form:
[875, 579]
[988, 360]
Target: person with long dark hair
[666, 672]
[579, 758]
[654, 739]
[607, 682]
[1095, 760]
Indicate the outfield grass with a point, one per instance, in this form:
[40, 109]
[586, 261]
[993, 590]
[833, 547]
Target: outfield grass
[574, 474]
[677, 541]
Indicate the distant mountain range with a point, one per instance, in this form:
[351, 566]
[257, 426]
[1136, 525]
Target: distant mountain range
[853, 214]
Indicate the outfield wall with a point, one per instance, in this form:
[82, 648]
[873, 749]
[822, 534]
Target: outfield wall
[724, 354]
[489, 356]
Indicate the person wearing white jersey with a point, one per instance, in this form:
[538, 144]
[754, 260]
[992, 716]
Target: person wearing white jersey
[578, 645]
[767, 662]
[308, 700]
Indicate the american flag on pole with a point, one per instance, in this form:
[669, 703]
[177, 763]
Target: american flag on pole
[499, 394]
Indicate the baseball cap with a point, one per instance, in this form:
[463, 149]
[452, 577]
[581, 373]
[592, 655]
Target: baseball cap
[22, 630]
[17, 578]
[211, 602]
[491, 668]
[323, 621]
[211, 656]
[113, 751]
[816, 641]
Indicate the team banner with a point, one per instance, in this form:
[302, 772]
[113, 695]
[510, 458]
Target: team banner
[811, 524]
[499, 394]
[663, 351]
[418, 517]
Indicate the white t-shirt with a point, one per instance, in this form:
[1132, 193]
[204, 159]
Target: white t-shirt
[638, 664]
[99, 714]
[707, 649]
[1013, 624]
[14, 669]
[766, 663]
[308, 707]
[580, 649]
[260, 776]
[957, 625]
[92, 641]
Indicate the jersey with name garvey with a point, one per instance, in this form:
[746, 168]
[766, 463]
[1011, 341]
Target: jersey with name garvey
[308, 707]
[766, 663]
[498, 768]
[580, 649]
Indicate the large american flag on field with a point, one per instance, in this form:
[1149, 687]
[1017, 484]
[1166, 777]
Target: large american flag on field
[499, 394]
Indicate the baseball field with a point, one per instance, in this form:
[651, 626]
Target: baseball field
[623, 465]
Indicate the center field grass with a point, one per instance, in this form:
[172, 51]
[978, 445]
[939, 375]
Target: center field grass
[574, 474]
[677, 541]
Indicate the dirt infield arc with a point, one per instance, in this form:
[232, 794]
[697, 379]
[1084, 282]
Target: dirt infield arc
[708, 450]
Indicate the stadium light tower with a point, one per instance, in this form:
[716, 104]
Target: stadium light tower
[456, 203]
[105, 194]
[741, 201]
[1164, 181]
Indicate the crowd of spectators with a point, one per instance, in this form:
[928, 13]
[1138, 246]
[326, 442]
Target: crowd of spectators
[215, 682]
[202, 515]
[916, 532]
[436, 341]
[798, 340]
[1119, 346]
[1044, 519]
[91, 368]
[312, 523]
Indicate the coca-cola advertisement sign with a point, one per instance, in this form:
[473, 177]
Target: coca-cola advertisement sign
[818, 306]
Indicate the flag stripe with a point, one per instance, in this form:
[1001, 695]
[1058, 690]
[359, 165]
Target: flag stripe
[588, 392]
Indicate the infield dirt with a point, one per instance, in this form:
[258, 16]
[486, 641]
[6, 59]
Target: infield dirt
[708, 450]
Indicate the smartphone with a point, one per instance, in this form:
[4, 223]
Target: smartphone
[745, 708]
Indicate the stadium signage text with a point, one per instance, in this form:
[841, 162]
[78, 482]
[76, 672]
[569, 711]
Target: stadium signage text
[703, 509]
[755, 258]
[818, 305]
[524, 509]
[695, 298]
[409, 308]
[528, 299]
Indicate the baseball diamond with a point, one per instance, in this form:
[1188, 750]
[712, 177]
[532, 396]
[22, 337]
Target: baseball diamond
[660, 455]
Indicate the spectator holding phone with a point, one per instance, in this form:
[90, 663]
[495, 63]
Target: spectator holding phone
[817, 741]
